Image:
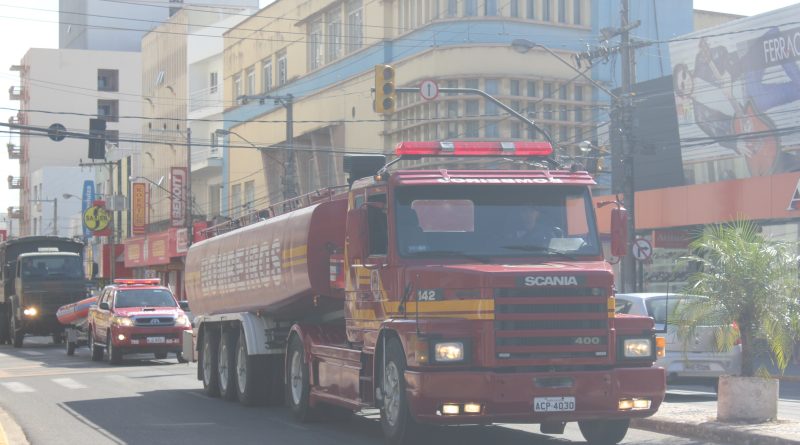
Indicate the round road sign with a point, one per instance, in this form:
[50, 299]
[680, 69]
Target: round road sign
[96, 218]
[428, 89]
[642, 249]
[56, 132]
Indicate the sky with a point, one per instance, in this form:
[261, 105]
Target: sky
[22, 27]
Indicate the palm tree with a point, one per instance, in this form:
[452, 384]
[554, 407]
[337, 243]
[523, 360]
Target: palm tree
[752, 289]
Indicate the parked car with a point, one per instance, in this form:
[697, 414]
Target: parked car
[696, 361]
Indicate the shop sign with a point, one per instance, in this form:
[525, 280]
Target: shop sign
[671, 239]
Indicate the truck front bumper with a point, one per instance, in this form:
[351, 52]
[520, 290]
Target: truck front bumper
[509, 397]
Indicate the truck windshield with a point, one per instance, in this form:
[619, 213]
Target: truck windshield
[144, 298]
[52, 267]
[487, 221]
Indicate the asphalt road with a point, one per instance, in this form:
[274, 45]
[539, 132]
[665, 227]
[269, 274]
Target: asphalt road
[59, 399]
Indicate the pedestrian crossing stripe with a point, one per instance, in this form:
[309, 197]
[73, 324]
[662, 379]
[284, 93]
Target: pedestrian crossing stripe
[18, 387]
[69, 383]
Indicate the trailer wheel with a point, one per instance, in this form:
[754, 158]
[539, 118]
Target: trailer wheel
[298, 385]
[114, 354]
[208, 362]
[70, 348]
[398, 425]
[251, 374]
[17, 334]
[604, 432]
[226, 365]
[97, 351]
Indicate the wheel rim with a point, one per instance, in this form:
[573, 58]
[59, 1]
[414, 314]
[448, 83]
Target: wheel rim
[222, 365]
[241, 367]
[207, 362]
[297, 377]
[391, 393]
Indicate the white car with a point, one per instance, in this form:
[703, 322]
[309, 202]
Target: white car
[695, 361]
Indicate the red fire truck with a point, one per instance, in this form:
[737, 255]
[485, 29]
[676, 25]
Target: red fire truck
[429, 295]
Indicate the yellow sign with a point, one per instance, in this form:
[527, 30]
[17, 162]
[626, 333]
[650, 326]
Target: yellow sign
[96, 218]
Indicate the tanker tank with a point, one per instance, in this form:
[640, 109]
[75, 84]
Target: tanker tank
[280, 266]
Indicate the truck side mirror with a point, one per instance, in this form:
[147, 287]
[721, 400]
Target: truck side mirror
[357, 243]
[619, 232]
[104, 306]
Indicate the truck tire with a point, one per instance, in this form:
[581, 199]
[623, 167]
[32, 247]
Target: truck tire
[226, 366]
[251, 374]
[16, 333]
[298, 384]
[208, 362]
[114, 354]
[97, 351]
[399, 427]
[604, 432]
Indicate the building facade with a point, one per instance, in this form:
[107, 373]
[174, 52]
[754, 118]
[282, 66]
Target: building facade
[321, 54]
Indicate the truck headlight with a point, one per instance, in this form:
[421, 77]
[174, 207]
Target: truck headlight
[121, 321]
[182, 320]
[637, 347]
[30, 311]
[448, 352]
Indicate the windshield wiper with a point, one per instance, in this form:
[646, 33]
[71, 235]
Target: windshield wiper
[538, 248]
[430, 253]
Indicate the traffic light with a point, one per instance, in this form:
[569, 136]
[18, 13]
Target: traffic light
[385, 94]
[97, 139]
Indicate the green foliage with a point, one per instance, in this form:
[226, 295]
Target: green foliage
[748, 280]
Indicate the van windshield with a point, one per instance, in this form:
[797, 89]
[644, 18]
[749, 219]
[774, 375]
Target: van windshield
[495, 220]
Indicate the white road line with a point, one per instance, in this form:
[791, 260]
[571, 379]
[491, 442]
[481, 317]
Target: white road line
[36, 353]
[69, 383]
[17, 387]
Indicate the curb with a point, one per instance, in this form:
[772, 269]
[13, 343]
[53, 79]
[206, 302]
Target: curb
[10, 431]
[711, 431]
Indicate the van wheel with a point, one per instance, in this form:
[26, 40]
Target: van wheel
[97, 351]
[298, 385]
[226, 365]
[398, 425]
[251, 374]
[208, 362]
[604, 432]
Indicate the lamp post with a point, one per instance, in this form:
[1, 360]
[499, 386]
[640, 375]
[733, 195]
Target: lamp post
[55, 212]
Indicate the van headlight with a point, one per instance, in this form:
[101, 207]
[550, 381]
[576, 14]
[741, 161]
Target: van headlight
[448, 352]
[637, 347]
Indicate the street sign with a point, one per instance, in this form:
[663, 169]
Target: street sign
[96, 218]
[642, 249]
[428, 89]
[56, 132]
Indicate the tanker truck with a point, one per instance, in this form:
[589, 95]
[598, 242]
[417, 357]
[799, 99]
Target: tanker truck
[413, 292]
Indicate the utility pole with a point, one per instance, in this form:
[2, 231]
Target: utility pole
[189, 235]
[628, 190]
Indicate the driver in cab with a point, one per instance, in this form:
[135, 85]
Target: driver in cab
[530, 228]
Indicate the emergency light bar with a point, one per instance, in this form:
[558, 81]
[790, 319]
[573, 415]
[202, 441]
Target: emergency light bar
[140, 281]
[473, 148]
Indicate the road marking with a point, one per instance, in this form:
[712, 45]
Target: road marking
[36, 353]
[69, 383]
[18, 387]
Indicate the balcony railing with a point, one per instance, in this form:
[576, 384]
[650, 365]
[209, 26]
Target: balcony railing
[14, 93]
[14, 152]
[14, 212]
[205, 98]
[14, 182]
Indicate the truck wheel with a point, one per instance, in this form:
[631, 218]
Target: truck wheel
[208, 362]
[70, 348]
[298, 385]
[251, 374]
[398, 425]
[97, 351]
[160, 355]
[114, 354]
[604, 432]
[226, 366]
[17, 334]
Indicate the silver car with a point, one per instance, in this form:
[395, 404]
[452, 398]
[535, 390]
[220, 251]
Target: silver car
[695, 361]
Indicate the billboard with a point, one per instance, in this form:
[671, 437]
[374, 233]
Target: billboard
[139, 208]
[737, 93]
[177, 196]
[87, 200]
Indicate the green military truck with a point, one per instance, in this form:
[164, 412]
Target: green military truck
[39, 275]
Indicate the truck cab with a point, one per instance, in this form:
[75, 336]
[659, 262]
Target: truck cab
[136, 316]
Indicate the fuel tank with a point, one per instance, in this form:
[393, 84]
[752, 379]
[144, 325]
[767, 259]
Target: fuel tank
[280, 265]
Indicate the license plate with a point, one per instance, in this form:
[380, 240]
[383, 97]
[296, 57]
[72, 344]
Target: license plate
[156, 340]
[697, 367]
[553, 404]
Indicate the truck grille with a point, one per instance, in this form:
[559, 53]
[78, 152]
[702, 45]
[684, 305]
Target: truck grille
[545, 323]
[154, 321]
